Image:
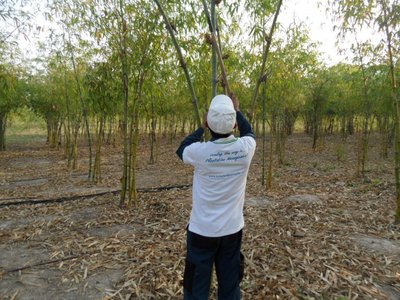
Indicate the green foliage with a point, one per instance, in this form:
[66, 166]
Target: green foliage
[12, 88]
[25, 122]
[297, 81]
[290, 69]
[47, 91]
[16, 18]
[101, 89]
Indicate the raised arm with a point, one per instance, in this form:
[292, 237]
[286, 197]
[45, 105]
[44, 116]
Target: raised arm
[242, 123]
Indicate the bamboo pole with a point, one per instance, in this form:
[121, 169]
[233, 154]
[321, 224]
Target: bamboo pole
[84, 107]
[264, 134]
[264, 60]
[3, 123]
[216, 47]
[125, 79]
[396, 103]
[182, 63]
[220, 48]
[67, 126]
[214, 66]
[363, 147]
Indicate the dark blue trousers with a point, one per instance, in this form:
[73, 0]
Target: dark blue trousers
[202, 253]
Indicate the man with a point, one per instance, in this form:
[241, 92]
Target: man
[214, 233]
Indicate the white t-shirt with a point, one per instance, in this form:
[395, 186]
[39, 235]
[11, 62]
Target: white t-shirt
[219, 184]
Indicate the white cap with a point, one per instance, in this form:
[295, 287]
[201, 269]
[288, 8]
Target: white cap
[221, 117]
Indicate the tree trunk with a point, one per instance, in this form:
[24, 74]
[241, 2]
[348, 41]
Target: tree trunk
[134, 137]
[279, 132]
[264, 135]
[217, 48]
[110, 131]
[153, 124]
[290, 120]
[84, 108]
[96, 176]
[315, 129]
[74, 147]
[350, 125]
[396, 104]
[3, 124]
[182, 63]
[343, 128]
[307, 123]
[125, 80]
[281, 143]
[66, 140]
[262, 74]
[271, 147]
[183, 130]
[171, 128]
[363, 148]
[214, 66]
[165, 126]
[52, 131]
[384, 130]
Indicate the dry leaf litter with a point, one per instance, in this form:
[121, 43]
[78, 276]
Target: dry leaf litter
[319, 233]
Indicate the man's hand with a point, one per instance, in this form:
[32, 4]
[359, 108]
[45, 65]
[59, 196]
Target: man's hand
[235, 101]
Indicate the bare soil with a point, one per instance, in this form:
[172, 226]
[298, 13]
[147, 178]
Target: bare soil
[319, 233]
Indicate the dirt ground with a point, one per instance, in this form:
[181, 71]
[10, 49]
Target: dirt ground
[319, 233]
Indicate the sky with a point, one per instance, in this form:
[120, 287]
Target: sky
[306, 11]
[319, 24]
[321, 29]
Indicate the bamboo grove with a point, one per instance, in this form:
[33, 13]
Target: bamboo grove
[114, 71]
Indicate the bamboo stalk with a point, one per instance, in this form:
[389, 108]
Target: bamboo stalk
[182, 63]
[269, 176]
[264, 60]
[67, 126]
[363, 149]
[396, 103]
[3, 123]
[264, 134]
[214, 66]
[134, 133]
[124, 71]
[216, 47]
[220, 48]
[152, 135]
[84, 107]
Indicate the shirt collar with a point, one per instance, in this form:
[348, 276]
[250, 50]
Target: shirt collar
[227, 140]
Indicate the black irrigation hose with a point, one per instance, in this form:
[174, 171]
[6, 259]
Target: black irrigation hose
[43, 263]
[46, 177]
[76, 197]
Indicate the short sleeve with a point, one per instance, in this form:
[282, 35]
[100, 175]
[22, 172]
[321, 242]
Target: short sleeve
[250, 144]
[191, 154]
